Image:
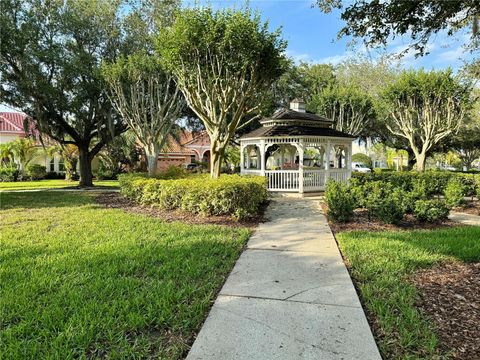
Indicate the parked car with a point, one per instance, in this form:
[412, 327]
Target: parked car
[191, 166]
[359, 167]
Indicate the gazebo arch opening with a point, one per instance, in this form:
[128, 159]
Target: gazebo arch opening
[297, 151]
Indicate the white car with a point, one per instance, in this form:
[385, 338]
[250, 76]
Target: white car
[359, 167]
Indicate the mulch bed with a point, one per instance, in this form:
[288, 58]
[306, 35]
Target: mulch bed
[363, 222]
[117, 201]
[450, 295]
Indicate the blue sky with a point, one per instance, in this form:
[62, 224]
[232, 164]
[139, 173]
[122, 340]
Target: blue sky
[312, 36]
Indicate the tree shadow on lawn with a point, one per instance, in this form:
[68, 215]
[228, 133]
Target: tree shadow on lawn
[44, 199]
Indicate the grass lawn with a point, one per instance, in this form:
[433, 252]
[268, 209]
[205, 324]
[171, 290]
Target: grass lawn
[381, 263]
[50, 184]
[81, 281]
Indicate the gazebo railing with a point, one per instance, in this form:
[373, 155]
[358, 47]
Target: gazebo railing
[289, 180]
[283, 180]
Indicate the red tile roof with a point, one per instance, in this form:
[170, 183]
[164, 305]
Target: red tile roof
[12, 122]
[179, 146]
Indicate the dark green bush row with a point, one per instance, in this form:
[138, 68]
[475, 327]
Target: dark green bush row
[237, 196]
[36, 172]
[389, 203]
[434, 182]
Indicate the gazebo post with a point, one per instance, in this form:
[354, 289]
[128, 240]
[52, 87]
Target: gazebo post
[262, 157]
[248, 157]
[242, 164]
[282, 156]
[300, 167]
[327, 162]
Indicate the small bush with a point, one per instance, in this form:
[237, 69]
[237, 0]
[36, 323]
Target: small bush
[36, 172]
[340, 201]
[431, 210]
[8, 174]
[386, 203]
[455, 192]
[234, 195]
[54, 175]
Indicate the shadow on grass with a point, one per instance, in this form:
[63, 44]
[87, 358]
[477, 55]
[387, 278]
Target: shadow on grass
[44, 199]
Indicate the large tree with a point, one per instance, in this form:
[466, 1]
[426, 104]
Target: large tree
[350, 108]
[50, 67]
[223, 61]
[147, 98]
[425, 108]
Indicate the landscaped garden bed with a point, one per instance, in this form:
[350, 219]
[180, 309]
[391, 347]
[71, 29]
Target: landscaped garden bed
[395, 272]
[419, 286]
[79, 280]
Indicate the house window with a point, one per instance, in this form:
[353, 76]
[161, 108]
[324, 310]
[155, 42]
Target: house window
[192, 158]
[61, 165]
[51, 167]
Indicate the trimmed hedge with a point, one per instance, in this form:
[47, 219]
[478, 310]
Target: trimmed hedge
[36, 172]
[431, 210]
[234, 195]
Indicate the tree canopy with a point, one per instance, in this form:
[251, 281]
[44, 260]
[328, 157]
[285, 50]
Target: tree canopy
[425, 108]
[223, 61]
[50, 66]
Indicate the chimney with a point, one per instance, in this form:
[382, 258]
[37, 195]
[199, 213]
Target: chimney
[297, 105]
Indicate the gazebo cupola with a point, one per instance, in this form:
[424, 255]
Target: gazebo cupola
[297, 151]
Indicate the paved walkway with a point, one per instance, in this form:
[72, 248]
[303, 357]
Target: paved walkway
[288, 297]
[464, 218]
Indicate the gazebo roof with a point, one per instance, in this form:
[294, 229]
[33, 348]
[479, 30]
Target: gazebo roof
[289, 114]
[294, 130]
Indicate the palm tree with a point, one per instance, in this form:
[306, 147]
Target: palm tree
[6, 154]
[69, 154]
[24, 151]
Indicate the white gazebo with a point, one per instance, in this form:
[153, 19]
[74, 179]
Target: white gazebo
[297, 151]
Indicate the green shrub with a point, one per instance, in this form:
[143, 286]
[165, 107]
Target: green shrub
[431, 210]
[357, 192]
[340, 201]
[36, 172]
[455, 192]
[363, 159]
[386, 203]
[9, 173]
[234, 195]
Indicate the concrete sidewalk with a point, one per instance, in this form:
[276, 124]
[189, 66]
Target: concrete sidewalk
[464, 218]
[289, 296]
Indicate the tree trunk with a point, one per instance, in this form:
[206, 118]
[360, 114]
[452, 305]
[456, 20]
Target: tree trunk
[85, 162]
[216, 158]
[421, 159]
[151, 163]
[411, 159]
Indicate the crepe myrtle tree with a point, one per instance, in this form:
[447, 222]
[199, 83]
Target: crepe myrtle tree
[224, 61]
[425, 108]
[148, 100]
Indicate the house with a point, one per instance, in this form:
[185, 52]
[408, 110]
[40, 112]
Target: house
[12, 128]
[185, 148]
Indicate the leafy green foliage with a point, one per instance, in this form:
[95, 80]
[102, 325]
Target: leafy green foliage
[387, 204]
[238, 196]
[8, 173]
[224, 61]
[112, 283]
[36, 171]
[50, 67]
[340, 201]
[376, 22]
[363, 159]
[431, 210]
[382, 264]
[455, 192]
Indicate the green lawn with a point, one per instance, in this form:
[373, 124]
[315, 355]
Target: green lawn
[381, 264]
[81, 281]
[50, 184]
